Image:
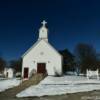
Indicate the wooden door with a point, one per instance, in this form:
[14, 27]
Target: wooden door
[26, 72]
[41, 68]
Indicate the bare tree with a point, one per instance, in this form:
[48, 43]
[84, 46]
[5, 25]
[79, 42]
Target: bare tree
[2, 64]
[16, 64]
[85, 57]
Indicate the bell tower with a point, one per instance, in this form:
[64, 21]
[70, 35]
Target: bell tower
[43, 32]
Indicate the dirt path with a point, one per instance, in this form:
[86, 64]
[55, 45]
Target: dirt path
[13, 91]
[10, 94]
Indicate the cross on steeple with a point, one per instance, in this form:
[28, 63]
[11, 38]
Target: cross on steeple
[44, 23]
[43, 31]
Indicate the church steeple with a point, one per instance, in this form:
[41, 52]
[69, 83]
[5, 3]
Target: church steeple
[43, 31]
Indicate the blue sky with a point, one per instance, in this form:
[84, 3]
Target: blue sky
[69, 22]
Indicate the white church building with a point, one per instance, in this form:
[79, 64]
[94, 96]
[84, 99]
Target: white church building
[41, 57]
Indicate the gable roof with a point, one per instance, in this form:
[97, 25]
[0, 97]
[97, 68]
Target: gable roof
[30, 48]
[38, 43]
[53, 48]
